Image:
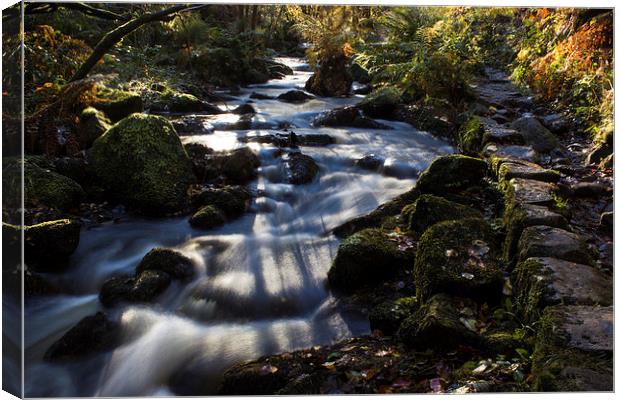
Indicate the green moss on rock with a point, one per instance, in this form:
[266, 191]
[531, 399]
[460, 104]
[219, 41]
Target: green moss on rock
[207, 217]
[93, 123]
[117, 104]
[381, 102]
[170, 261]
[388, 315]
[470, 135]
[231, 200]
[429, 210]
[142, 162]
[42, 186]
[452, 173]
[438, 325]
[558, 366]
[367, 258]
[48, 245]
[459, 258]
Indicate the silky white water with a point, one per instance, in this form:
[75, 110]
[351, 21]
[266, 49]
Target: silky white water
[260, 282]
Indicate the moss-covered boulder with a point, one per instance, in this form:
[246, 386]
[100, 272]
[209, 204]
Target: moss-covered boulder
[367, 258]
[470, 135]
[170, 261]
[42, 186]
[48, 245]
[173, 101]
[387, 316]
[117, 104]
[142, 162]
[428, 210]
[452, 173]
[441, 323]
[93, 123]
[207, 217]
[459, 258]
[574, 349]
[381, 103]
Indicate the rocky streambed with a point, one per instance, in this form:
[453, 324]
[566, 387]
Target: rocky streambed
[335, 244]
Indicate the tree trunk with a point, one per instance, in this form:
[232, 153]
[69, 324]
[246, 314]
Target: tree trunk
[254, 21]
[114, 36]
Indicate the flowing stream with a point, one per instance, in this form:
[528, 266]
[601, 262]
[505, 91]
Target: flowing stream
[260, 282]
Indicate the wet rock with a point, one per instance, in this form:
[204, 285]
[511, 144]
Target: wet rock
[142, 162]
[527, 191]
[387, 316]
[520, 216]
[284, 140]
[192, 125]
[202, 161]
[244, 109]
[452, 173]
[381, 103]
[536, 135]
[93, 334]
[545, 241]
[41, 185]
[590, 189]
[242, 124]
[510, 170]
[438, 325]
[240, 165]
[607, 221]
[478, 109]
[233, 201]
[332, 77]
[117, 104]
[48, 245]
[434, 120]
[367, 258]
[521, 152]
[363, 89]
[170, 261]
[347, 116]
[541, 282]
[574, 349]
[428, 210]
[458, 258]
[294, 96]
[371, 162]
[207, 217]
[261, 96]
[92, 124]
[300, 168]
[144, 288]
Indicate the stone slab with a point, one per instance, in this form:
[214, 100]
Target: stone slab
[545, 241]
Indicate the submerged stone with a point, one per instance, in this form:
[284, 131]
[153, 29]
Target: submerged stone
[543, 281]
[545, 241]
[428, 210]
[458, 258]
[367, 258]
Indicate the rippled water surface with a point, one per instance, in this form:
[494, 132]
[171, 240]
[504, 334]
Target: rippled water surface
[260, 286]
